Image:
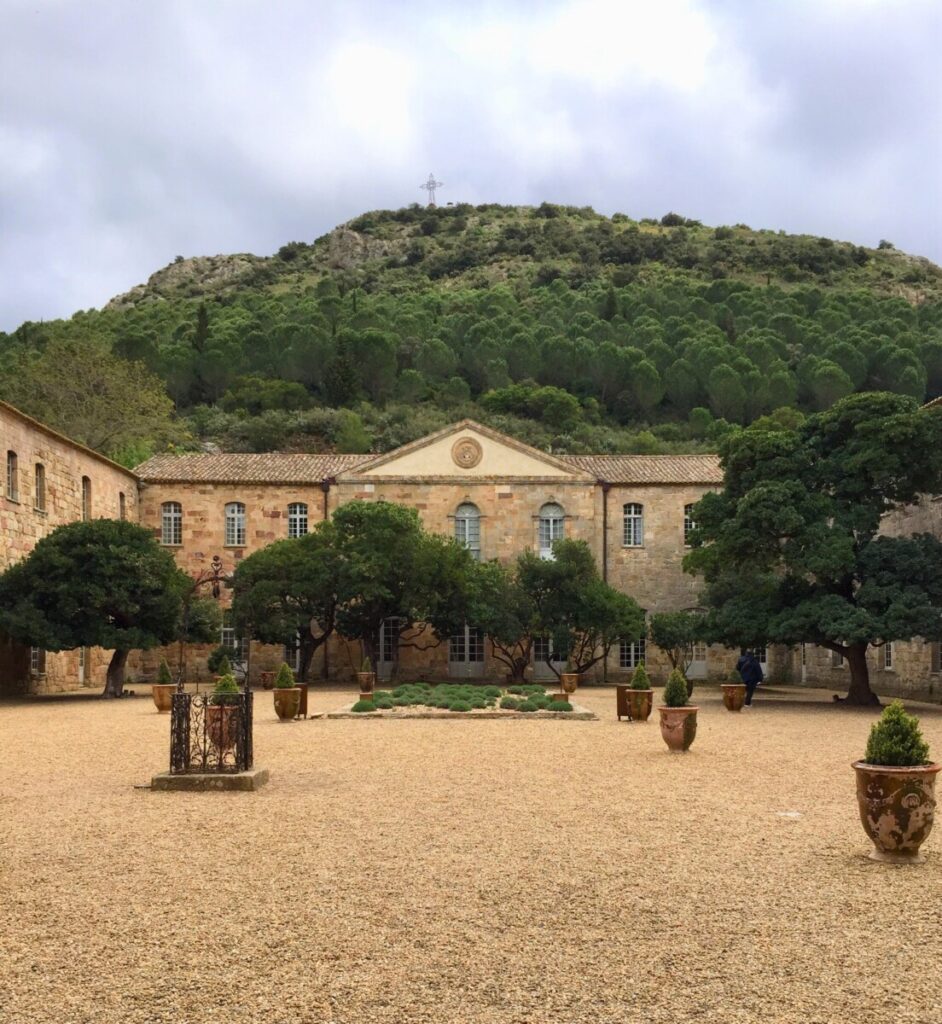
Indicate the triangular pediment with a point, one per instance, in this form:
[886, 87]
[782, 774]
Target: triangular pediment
[468, 450]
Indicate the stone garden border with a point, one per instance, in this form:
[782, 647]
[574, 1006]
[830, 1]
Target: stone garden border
[578, 714]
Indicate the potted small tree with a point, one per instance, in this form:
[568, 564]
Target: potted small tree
[678, 718]
[569, 678]
[221, 716]
[734, 691]
[896, 787]
[366, 677]
[218, 663]
[640, 695]
[287, 695]
[163, 689]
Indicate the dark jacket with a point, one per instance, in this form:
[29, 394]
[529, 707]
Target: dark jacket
[751, 671]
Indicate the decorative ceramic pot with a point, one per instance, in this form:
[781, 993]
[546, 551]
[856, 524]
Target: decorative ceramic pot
[268, 680]
[163, 696]
[639, 704]
[287, 702]
[734, 696]
[222, 723]
[679, 726]
[897, 808]
[367, 681]
[569, 681]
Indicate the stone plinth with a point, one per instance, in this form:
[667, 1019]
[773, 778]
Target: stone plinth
[211, 781]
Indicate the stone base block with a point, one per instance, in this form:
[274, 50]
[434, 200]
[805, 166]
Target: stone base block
[251, 780]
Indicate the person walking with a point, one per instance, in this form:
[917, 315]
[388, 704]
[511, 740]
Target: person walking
[751, 673]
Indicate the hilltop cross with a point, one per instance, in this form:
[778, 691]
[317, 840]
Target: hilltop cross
[430, 187]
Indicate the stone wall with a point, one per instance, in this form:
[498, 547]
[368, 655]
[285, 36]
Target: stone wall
[22, 524]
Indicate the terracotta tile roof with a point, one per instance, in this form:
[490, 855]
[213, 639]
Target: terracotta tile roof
[274, 468]
[651, 469]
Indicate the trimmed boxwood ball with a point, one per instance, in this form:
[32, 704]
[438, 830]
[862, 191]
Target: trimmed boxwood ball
[459, 705]
[383, 705]
[400, 702]
[515, 689]
[527, 705]
[442, 702]
[896, 739]
[478, 703]
[560, 705]
[675, 692]
[364, 705]
[640, 680]
[382, 695]
[491, 691]
[509, 703]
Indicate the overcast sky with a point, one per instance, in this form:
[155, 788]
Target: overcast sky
[131, 132]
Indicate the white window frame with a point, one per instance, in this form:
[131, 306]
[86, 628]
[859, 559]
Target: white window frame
[762, 655]
[888, 656]
[689, 523]
[297, 519]
[632, 525]
[551, 527]
[171, 524]
[468, 528]
[631, 653]
[37, 661]
[235, 524]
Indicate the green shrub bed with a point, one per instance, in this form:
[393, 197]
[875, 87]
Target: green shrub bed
[463, 697]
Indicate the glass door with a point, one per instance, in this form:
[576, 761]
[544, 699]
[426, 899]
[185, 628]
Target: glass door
[543, 648]
[388, 648]
[466, 654]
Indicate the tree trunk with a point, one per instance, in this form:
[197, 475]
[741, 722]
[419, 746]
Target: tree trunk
[114, 681]
[859, 691]
[308, 647]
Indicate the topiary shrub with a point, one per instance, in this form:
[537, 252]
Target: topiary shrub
[383, 705]
[459, 705]
[639, 678]
[226, 690]
[734, 676]
[491, 691]
[479, 703]
[527, 705]
[560, 705]
[382, 695]
[363, 705]
[164, 678]
[218, 662]
[285, 678]
[675, 692]
[515, 689]
[509, 703]
[896, 739]
[400, 702]
[442, 702]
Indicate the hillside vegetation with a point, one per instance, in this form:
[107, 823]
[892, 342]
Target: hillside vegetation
[573, 331]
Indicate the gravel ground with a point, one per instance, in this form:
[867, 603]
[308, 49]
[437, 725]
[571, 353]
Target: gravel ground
[482, 872]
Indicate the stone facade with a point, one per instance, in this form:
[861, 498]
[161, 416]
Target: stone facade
[28, 513]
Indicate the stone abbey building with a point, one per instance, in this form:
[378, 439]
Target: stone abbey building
[493, 493]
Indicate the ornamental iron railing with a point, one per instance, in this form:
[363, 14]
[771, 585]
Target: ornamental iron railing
[209, 736]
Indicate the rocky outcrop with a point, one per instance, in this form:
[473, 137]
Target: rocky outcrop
[199, 274]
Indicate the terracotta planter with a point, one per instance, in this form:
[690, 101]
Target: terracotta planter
[222, 723]
[268, 680]
[287, 702]
[734, 696]
[679, 726]
[639, 704]
[163, 696]
[367, 681]
[897, 808]
[569, 681]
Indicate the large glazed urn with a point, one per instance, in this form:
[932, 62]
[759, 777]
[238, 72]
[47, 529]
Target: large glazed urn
[569, 681]
[163, 696]
[734, 696]
[678, 726]
[287, 702]
[897, 808]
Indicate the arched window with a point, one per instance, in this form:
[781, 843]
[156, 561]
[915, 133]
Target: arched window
[235, 524]
[297, 519]
[552, 528]
[634, 525]
[689, 524]
[171, 523]
[12, 485]
[39, 495]
[468, 528]
[86, 498]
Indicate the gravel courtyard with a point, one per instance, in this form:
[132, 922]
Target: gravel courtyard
[459, 871]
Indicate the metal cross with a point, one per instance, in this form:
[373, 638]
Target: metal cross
[430, 187]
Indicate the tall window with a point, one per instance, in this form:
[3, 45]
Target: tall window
[935, 656]
[552, 528]
[37, 661]
[762, 655]
[228, 638]
[235, 524]
[39, 495]
[122, 506]
[888, 655]
[696, 653]
[171, 523]
[86, 498]
[293, 653]
[12, 487]
[297, 519]
[689, 524]
[468, 528]
[634, 525]
[631, 653]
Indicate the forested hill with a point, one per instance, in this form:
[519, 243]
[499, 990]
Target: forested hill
[573, 331]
